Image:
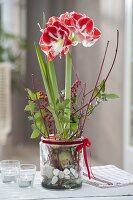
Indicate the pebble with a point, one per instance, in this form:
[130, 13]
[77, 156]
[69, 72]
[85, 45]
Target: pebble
[47, 170]
[78, 181]
[73, 171]
[67, 177]
[76, 175]
[54, 180]
[56, 172]
[61, 175]
[66, 171]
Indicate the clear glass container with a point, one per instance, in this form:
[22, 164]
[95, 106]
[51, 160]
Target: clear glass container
[26, 175]
[60, 166]
[9, 170]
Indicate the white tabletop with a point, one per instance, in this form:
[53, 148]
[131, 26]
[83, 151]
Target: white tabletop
[13, 192]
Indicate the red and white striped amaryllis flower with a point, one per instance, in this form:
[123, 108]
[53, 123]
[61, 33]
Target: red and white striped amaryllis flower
[55, 39]
[82, 26]
[67, 30]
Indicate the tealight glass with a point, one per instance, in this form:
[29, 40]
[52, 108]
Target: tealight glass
[9, 170]
[26, 175]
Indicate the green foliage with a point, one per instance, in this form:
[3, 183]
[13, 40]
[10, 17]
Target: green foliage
[97, 92]
[102, 86]
[100, 96]
[35, 117]
[111, 96]
[35, 133]
[74, 126]
[63, 119]
[30, 107]
[31, 94]
[62, 105]
[7, 42]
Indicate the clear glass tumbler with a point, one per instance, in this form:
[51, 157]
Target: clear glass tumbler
[9, 170]
[26, 175]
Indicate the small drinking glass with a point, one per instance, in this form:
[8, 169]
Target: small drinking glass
[26, 175]
[9, 170]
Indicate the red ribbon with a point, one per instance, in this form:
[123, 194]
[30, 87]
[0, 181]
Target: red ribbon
[82, 144]
[85, 143]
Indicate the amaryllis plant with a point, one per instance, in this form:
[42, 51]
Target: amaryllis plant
[62, 114]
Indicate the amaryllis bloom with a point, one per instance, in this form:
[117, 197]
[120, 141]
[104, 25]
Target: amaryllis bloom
[85, 32]
[55, 39]
[67, 30]
[82, 26]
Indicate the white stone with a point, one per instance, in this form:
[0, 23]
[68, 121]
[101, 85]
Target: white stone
[47, 170]
[73, 171]
[56, 172]
[66, 171]
[78, 181]
[76, 175]
[67, 177]
[54, 180]
[61, 175]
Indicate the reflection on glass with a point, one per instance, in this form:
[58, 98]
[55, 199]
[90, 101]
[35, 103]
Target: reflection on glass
[131, 135]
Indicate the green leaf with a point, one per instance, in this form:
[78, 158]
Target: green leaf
[50, 108]
[35, 134]
[27, 108]
[59, 106]
[65, 133]
[62, 105]
[63, 119]
[96, 92]
[102, 86]
[49, 82]
[31, 94]
[112, 96]
[37, 115]
[74, 126]
[33, 126]
[43, 71]
[39, 123]
[66, 102]
[30, 107]
[53, 79]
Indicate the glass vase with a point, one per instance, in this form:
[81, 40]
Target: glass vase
[60, 164]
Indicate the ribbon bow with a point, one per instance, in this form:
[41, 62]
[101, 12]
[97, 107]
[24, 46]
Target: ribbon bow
[85, 143]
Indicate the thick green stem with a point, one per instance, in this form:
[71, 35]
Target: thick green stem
[68, 79]
[53, 80]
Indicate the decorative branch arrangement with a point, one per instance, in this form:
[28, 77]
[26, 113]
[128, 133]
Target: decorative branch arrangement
[61, 115]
